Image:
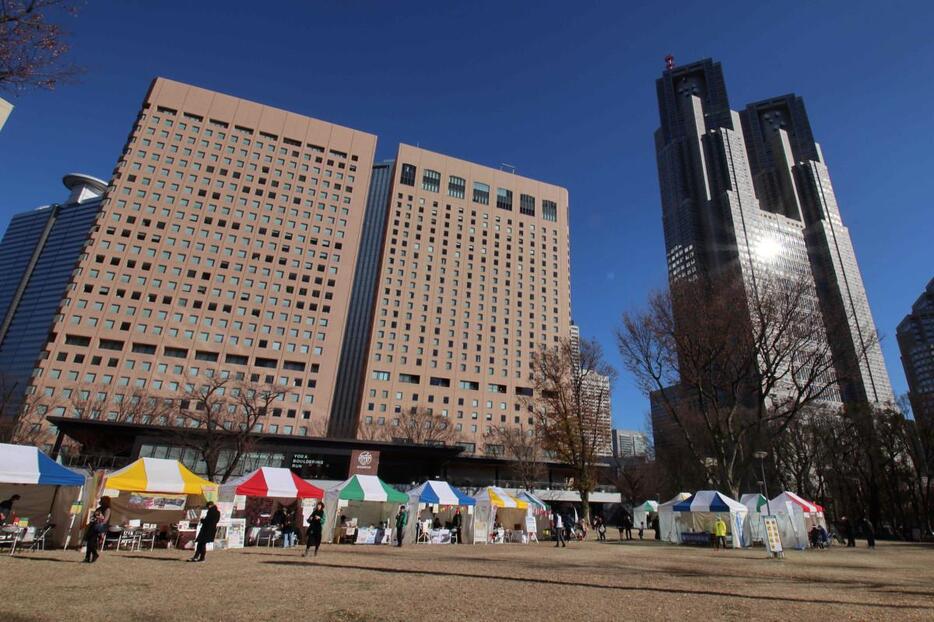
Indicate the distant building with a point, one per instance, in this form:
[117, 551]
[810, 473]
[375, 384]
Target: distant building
[629, 444]
[5, 109]
[596, 390]
[38, 255]
[915, 336]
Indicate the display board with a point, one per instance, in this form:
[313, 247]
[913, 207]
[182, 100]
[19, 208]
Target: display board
[773, 539]
[236, 533]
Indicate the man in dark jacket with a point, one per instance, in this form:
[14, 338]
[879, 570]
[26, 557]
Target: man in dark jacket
[207, 532]
[401, 519]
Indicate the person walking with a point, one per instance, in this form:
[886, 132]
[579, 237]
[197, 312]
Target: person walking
[870, 533]
[601, 529]
[557, 525]
[641, 529]
[6, 509]
[92, 536]
[207, 532]
[658, 532]
[402, 517]
[315, 525]
[719, 533]
[627, 524]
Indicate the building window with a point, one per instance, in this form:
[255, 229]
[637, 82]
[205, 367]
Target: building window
[504, 199]
[481, 193]
[431, 180]
[457, 186]
[381, 375]
[550, 210]
[408, 175]
[526, 204]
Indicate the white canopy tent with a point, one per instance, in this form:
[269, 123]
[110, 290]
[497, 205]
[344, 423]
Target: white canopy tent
[795, 517]
[700, 512]
[366, 498]
[642, 514]
[495, 504]
[668, 519]
[755, 528]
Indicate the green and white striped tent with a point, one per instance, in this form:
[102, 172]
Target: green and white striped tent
[366, 498]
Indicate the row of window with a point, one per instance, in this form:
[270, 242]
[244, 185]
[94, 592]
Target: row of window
[457, 187]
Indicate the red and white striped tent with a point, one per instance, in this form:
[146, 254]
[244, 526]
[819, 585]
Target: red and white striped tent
[795, 517]
[272, 482]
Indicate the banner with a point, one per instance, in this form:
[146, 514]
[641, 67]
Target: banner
[364, 462]
[154, 501]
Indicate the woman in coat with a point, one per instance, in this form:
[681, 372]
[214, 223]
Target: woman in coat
[313, 534]
[207, 532]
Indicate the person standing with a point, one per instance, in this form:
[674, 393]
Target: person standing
[658, 533]
[457, 537]
[870, 533]
[207, 532]
[402, 517]
[849, 531]
[627, 524]
[719, 533]
[557, 524]
[315, 526]
[6, 509]
[641, 529]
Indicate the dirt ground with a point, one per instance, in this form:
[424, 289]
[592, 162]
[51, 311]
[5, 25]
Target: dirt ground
[586, 581]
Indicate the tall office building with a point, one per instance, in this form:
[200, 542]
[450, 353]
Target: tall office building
[474, 277]
[749, 194]
[226, 245]
[39, 252]
[915, 336]
[629, 444]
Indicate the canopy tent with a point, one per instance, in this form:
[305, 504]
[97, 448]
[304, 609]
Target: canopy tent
[795, 517]
[538, 511]
[159, 475]
[155, 490]
[366, 498]
[47, 490]
[669, 520]
[533, 501]
[641, 514]
[757, 506]
[494, 503]
[271, 482]
[700, 511]
[435, 499]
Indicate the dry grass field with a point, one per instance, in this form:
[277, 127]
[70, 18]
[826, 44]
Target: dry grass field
[585, 581]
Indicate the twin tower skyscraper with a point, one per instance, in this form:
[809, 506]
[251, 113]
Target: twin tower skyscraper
[749, 192]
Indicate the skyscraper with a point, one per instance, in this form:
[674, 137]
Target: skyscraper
[629, 443]
[38, 254]
[749, 194]
[916, 342]
[474, 277]
[226, 246]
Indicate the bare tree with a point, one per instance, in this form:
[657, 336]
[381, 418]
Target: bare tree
[423, 426]
[218, 419]
[27, 427]
[523, 447]
[746, 366]
[32, 48]
[571, 406]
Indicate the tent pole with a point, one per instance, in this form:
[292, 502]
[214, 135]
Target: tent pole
[71, 523]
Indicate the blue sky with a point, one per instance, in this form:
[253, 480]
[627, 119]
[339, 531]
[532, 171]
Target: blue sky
[564, 91]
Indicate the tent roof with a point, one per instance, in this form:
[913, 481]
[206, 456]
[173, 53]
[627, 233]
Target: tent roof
[441, 493]
[753, 501]
[647, 506]
[158, 475]
[802, 505]
[273, 482]
[21, 464]
[368, 488]
[709, 501]
[500, 498]
[532, 499]
[678, 498]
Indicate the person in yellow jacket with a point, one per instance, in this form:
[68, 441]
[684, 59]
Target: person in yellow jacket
[719, 533]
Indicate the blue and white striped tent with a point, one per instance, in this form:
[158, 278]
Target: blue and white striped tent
[436, 492]
[699, 511]
[20, 464]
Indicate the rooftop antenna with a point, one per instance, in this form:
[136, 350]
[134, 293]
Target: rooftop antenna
[503, 166]
[669, 62]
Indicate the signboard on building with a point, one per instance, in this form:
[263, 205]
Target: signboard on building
[364, 462]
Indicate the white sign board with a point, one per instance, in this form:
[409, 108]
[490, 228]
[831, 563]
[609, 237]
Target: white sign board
[773, 539]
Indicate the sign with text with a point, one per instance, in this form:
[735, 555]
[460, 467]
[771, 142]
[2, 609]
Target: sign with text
[364, 462]
[773, 539]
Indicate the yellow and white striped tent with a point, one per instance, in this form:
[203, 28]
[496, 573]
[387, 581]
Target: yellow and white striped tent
[159, 475]
[499, 498]
[494, 503]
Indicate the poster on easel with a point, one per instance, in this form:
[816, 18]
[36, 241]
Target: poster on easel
[773, 539]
